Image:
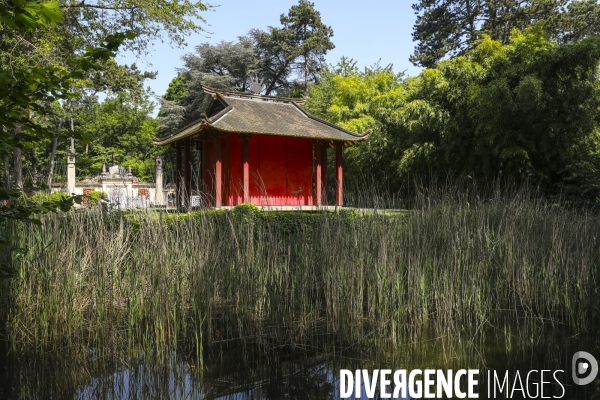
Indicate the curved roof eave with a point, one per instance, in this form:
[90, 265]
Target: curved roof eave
[222, 96]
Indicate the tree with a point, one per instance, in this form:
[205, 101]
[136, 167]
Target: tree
[121, 128]
[527, 111]
[301, 44]
[364, 102]
[447, 28]
[51, 53]
[517, 110]
[24, 90]
[85, 24]
[226, 65]
[271, 57]
[148, 20]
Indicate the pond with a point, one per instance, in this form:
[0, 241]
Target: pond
[252, 370]
[499, 297]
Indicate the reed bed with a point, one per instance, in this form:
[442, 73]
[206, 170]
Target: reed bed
[148, 282]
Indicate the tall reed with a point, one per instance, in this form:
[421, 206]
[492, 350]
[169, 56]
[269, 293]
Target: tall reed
[151, 282]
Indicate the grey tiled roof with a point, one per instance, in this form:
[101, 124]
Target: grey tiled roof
[263, 115]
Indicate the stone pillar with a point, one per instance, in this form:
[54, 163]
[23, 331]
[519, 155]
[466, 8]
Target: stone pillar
[129, 187]
[158, 196]
[71, 169]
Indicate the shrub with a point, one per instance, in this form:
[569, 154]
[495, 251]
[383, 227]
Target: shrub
[94, 197]
[246, 212]
[40, 198]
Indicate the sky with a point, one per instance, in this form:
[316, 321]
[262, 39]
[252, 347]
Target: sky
[366, 31]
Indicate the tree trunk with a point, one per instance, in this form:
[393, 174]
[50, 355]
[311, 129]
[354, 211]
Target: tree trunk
[6, 173]
[72, 121]
[53, 155]
[18, 166]
[471, 18]
[34, 168]
[305, 66]
[306, 74]
[508, 12]
[18, 162]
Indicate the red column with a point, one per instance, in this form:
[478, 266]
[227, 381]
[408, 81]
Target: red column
[246, 170]
[187, 189]
[202, 184]
[324, 174]
[178, 175]
[339, 188]
[218, 174]
[318, 176]
[208, 152]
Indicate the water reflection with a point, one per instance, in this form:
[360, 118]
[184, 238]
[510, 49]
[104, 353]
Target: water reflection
[251, 371]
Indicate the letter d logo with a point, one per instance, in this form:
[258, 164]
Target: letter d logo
[582, 364]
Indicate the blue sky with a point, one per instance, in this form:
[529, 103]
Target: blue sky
[366, 31]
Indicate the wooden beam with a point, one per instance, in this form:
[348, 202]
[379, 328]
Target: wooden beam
[318, 175]
[245, 170]
[339, 176]
[324, 173]
[218, 174]
[187, 189]
[178, 176]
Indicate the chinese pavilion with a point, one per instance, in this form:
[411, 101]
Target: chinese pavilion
[258, 149]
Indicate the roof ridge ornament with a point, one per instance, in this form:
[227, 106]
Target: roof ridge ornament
[245, 95]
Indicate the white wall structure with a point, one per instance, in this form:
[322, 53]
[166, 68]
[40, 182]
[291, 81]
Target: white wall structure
[123, 188]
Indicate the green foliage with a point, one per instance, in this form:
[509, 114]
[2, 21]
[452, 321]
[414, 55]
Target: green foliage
[176, 88]
[28, 15]
[525, 111]
[300, 44]
[246, 211]
[226, 65]
[16, 211]
[272, 56]
[26, 90]
[41, 198]
[284, 222]
[79, 53]
[514, 111]
[451, 27]
[53, 58]
[94, 197]
[364, 102]
[120, 127]
[149, 20]
[304, 36]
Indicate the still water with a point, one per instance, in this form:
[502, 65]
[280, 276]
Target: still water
[238, 370]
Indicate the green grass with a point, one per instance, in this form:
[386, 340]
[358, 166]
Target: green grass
[149, 283]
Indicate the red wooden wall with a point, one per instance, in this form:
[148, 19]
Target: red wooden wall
[280, 170]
